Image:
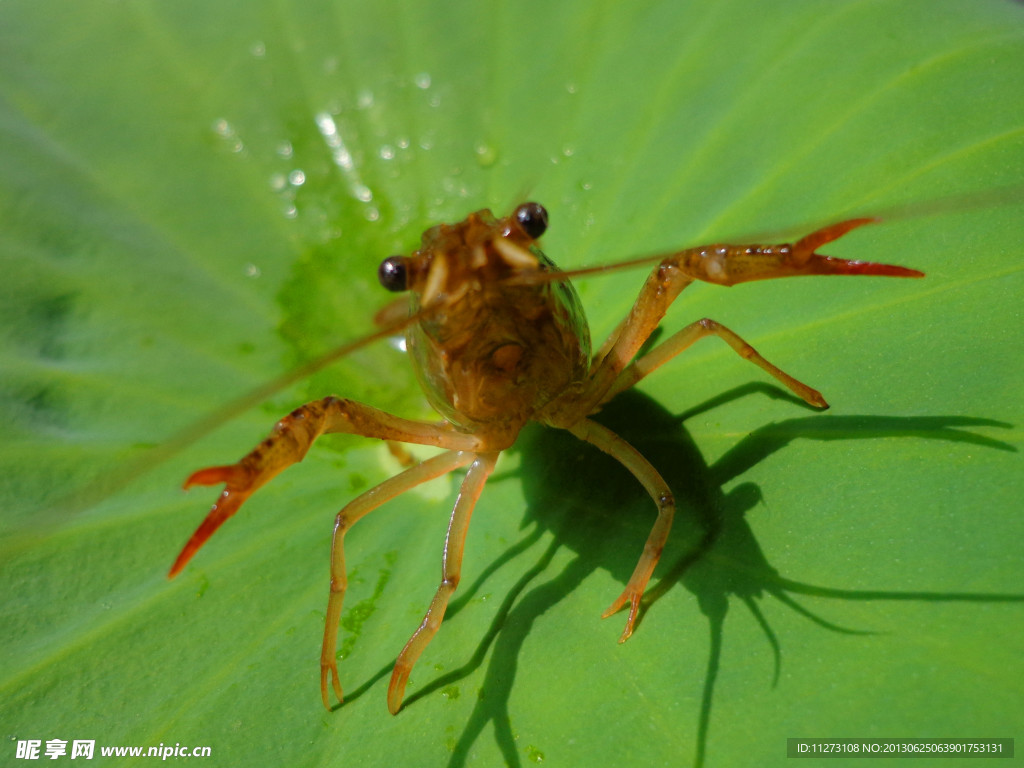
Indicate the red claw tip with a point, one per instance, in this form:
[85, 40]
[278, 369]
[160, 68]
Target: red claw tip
[832, 265]
[179, 563]
[214, 476]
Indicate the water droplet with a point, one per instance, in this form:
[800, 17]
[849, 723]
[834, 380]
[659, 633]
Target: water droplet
[571, 87]
[284, 149]
[326, 125]
[486, 155]
[343, 159]
[290, 212]
[251, 270]
[278, 182]
[387, 152]
[568, 150]
[258, 49]
[297, 177]
[226, 131]
[422, 80]
[365, 99]
[362, 193]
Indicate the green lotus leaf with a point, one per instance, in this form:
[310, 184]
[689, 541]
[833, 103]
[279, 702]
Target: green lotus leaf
[194, 197]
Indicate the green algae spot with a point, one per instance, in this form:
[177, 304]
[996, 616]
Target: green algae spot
[450, 692]
[353, 619]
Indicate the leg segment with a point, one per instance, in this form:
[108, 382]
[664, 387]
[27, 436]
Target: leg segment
[288, 443]
[606, 440]
[353, 511]
[451, 569]
[698, 330]
[724, 265]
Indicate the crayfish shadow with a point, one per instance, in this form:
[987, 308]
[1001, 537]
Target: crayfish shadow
[579, 499]
[584, 501]
[594, 507]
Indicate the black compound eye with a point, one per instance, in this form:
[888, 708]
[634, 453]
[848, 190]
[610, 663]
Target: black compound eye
[392, 274]
[532, 218]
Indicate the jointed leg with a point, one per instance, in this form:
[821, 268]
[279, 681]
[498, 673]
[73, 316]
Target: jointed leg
[451, 569]
[724, 265]
[680, 340]
[288, 443]
[353, 511]
[606, 440]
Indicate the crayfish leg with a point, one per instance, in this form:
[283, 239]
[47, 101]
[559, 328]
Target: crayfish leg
[353, 511]
[288, 443]
[451, 571]
[607, 441]
[682, 339]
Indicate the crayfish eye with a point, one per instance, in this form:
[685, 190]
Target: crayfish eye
[532, 218]
[392, 274]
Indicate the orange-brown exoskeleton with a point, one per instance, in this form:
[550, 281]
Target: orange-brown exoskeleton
[498, 338]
